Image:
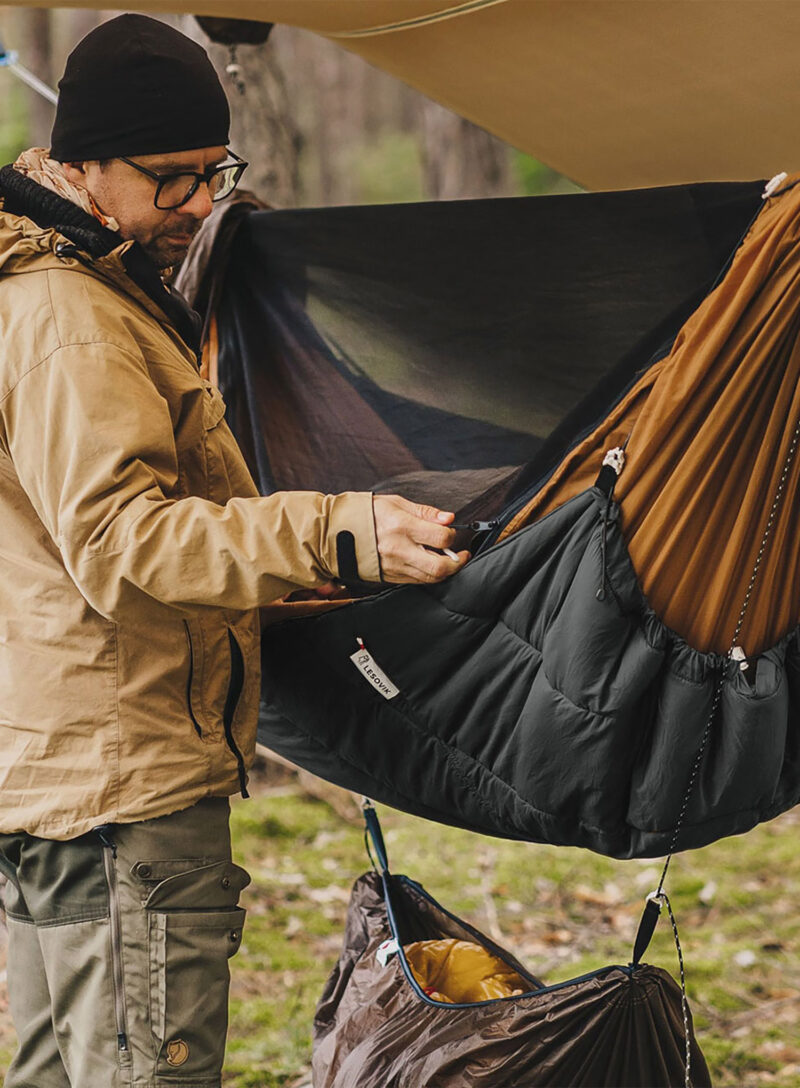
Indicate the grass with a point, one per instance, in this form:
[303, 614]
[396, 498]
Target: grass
[562, 911]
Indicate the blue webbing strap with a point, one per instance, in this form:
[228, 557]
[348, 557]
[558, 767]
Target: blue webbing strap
[373, 832]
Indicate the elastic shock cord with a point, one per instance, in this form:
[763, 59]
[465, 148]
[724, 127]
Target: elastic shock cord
[729, 656]
[660, 894]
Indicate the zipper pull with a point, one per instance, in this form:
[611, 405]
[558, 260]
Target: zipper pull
[103, 833]
[613, 464]
[477, 526]
[64, 250]
[740, 657]
[616, 459]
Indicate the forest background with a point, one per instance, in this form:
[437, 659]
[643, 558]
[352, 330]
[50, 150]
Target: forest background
[318, 125]
[321, 127]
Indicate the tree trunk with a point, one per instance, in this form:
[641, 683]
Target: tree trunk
[35, 53]
[263, 127]
[461, 160]
[80, 22]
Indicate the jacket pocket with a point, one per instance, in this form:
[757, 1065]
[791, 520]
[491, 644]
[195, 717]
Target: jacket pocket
[218, 676]
[190, 682]
[194, 927]
[235, 688]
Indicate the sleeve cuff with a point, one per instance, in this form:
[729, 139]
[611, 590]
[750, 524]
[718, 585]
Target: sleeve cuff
[351, 547]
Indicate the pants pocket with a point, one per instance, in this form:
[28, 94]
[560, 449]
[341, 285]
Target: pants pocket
[194, 927]
[189, 982]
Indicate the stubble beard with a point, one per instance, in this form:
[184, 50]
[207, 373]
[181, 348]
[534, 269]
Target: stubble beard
[165, 253]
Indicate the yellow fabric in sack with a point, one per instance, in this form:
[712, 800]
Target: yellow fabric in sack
[460, 971]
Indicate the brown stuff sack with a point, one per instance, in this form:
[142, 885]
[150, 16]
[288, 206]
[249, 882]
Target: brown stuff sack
[619, 1026]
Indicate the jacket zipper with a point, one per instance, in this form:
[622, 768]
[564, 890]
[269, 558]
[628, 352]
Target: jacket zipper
[189, 682]
[109, 853]
[231, 702]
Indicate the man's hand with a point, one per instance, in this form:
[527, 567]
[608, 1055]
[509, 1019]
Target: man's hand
[406, 531]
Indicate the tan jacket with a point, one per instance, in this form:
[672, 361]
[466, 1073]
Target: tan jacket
[134, 551]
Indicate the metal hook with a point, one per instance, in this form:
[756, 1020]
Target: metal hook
[234, 70]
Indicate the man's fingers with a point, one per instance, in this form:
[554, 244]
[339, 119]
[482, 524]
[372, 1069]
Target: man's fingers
[421, 509]
[424, 524]
[420, 565]
[432, 513]
[412, 538]
[431, 536]
[330, 590]
[442, 566]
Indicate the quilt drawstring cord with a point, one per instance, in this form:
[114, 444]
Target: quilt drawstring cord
[613, 464]
[601, 590]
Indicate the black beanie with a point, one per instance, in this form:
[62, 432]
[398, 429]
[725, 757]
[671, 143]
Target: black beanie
[135, 86]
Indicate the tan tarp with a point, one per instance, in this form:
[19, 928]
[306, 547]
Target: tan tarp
[613, 93]
[712, 434]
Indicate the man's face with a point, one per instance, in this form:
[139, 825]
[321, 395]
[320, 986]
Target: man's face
[124, 194]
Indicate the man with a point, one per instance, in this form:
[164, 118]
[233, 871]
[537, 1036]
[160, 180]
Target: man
[133, 557]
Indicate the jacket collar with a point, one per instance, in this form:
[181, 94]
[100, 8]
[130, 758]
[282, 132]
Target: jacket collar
[24, 197]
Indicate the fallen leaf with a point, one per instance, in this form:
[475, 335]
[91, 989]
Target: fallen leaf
[610, 896]
[293, 926]
[334, 893]
[745, 958]
[707, 892]
[558, 936]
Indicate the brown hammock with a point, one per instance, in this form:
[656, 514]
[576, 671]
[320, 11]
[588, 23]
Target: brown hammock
[708, 431]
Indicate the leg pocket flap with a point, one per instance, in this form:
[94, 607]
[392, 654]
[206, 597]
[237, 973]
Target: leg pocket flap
[213, 931]
[205, 887]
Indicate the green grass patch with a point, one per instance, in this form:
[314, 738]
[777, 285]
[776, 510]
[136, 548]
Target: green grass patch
[561, 911]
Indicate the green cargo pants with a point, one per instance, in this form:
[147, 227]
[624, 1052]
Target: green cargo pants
[118, 952]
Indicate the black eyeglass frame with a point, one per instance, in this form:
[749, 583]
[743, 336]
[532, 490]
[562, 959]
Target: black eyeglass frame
[163, 179]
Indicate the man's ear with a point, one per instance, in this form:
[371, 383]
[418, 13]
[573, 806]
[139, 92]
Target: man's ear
[74, 171]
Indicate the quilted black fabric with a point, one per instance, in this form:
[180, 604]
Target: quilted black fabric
[530, 708]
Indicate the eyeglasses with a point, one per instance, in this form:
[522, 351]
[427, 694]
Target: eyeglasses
[174, 190]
